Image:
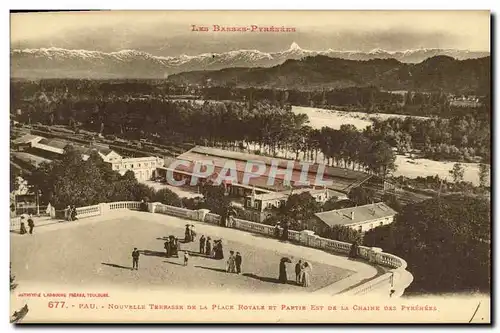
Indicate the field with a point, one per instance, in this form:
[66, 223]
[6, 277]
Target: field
[411, 168]
[334, 119]
[99, 254]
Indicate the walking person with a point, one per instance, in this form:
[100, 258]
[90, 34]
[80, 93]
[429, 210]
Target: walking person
[283, 276]
[135, 259]
[306, 275]
[231, 263]
[187, 234]
[208, 247]
[186, 258]
[31, 224]
[193, 232]
[166, 245]
[238, 261]
[284, 235]
[67, 212]
[73, 213]
[298, 271]
[202, 244]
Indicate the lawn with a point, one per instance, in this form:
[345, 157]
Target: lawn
[99, 254]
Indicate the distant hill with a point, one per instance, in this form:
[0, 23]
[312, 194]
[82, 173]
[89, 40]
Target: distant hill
[322, 72]
[132, 64]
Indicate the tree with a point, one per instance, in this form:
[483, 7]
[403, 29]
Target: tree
[445, 241]
[484, 174]
[343, 234]
[457, 172]
[167, 197]
[392, 201]
[361, 196]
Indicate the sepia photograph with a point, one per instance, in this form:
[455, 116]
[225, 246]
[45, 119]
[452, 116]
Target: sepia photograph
[250, 167]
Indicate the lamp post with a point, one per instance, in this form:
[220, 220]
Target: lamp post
[38, 193]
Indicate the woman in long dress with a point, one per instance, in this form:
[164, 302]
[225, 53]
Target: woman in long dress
[283, 277]
[231, 263]
[208, 247]
[187, 235]
[306, 275]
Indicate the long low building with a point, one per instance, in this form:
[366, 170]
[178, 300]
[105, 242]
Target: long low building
[183, 168]
[360, 218]
[144, 168]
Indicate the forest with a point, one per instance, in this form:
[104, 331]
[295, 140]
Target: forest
[110, 108]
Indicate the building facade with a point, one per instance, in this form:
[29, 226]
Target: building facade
[360, 218]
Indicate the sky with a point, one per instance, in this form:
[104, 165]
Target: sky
[169, 33]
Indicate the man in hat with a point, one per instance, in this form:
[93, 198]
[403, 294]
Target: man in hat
[135, 259]
[238, 261]
[202, 244]
[298, 271]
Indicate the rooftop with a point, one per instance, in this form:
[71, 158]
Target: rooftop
[361, 214]
[26, 138]
[341, 178]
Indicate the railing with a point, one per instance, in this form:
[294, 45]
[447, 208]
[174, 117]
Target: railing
[383, 283]
[82, 212]
[253, 226]
[175, 211]
[132, 205]
[212, 218]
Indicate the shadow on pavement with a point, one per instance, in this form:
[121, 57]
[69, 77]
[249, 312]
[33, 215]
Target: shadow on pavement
[153, 253]
[116, 266]
[213, 269]
[173, 263]
[266, 279]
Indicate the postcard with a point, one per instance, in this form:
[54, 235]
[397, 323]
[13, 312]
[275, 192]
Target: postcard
[250, 167]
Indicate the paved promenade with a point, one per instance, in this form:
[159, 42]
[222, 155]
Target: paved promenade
[97, 250]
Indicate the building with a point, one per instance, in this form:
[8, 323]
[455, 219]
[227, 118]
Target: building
[266, 204]
[361, 218]
[261, 202]
[341, 178]
[144, 168]
[24, 142]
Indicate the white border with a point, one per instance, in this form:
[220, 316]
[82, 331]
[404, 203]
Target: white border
[207, 4]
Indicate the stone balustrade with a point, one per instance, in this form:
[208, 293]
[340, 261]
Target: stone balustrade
[391, 283]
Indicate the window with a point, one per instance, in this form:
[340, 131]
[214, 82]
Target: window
[146, 164]
[360, 228]
[132, 166]
[382, 223]
[139, 165]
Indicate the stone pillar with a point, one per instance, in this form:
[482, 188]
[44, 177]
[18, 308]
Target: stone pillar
[306, 236]
[104, 208]
[374, 251]
[202, 213]
[152, 206]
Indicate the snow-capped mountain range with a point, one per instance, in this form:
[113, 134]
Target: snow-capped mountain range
[63, 63]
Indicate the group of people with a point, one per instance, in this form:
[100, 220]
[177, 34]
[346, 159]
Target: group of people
[31, 225]
[234, 263]
[189, 234]
[172, 246]
[216, 251]
[281, 232]
[70, 213]
[302, 272]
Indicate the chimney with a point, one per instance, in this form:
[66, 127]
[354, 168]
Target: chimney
[352, 215]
